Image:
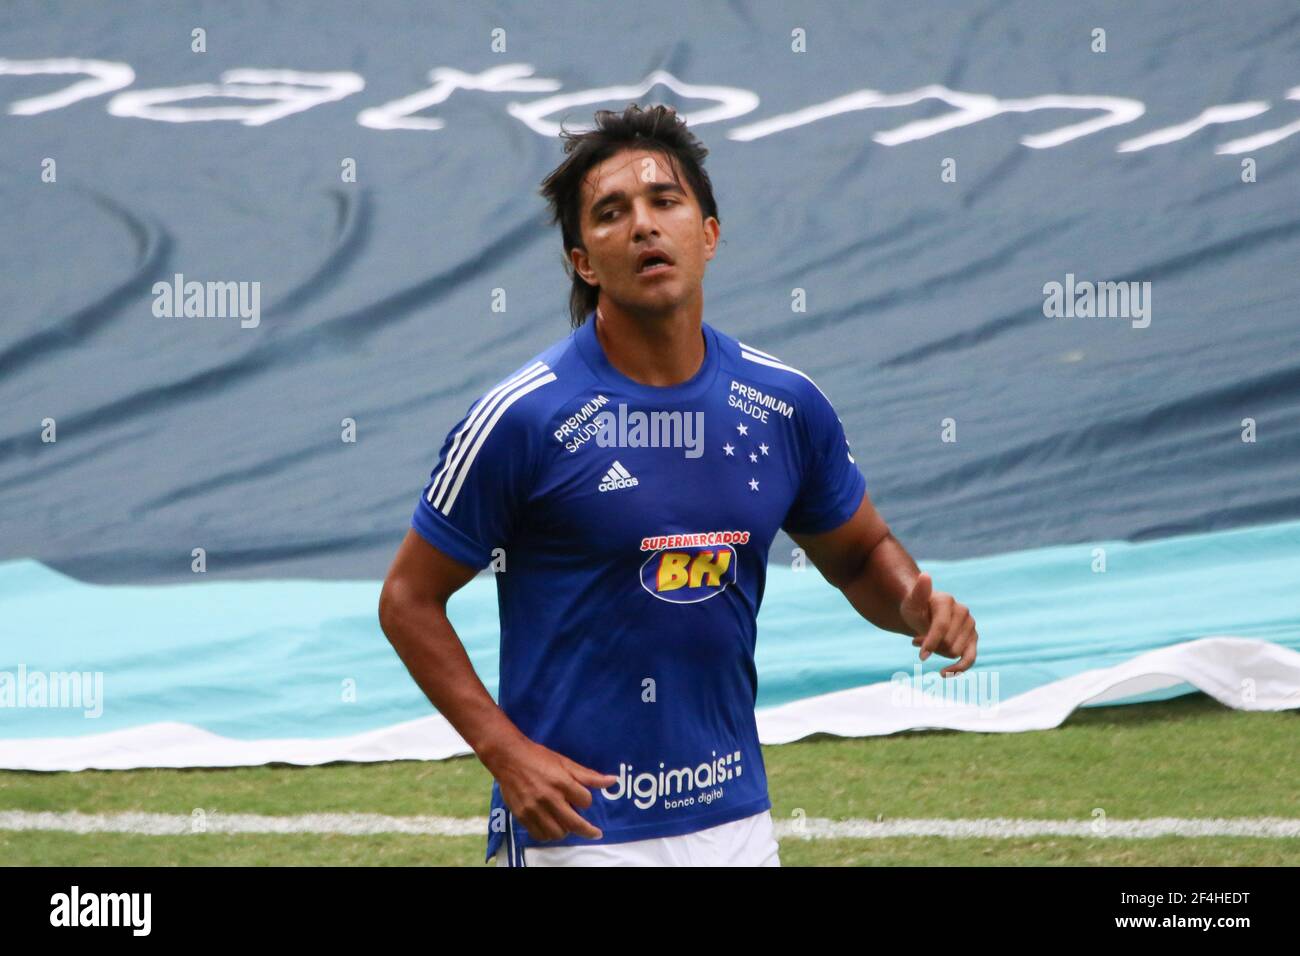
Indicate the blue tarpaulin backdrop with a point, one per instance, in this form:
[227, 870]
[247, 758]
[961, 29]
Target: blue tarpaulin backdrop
[386, 220]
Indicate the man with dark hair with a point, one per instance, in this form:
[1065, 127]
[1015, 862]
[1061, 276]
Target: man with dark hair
[657, 129]
[632, 477]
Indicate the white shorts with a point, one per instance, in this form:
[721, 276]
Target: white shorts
[747, 842]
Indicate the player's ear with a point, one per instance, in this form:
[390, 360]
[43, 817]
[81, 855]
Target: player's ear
[582, 265]
[712, 230]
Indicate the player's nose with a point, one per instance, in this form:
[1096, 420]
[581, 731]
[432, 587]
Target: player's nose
[644, 222]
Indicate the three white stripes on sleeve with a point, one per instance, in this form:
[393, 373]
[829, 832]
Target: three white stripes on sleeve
[469, 439]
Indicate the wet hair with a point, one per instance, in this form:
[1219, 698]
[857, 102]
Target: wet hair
[657, 129]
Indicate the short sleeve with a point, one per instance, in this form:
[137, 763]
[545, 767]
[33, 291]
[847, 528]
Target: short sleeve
[477, 490]
[832, 485]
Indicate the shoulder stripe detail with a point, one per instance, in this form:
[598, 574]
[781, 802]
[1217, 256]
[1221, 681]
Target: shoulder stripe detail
[762, 358]
[469, 439]
[471, 425]
[482, 437]
[750, 348]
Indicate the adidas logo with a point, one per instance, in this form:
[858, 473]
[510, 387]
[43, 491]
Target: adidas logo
[617, 477]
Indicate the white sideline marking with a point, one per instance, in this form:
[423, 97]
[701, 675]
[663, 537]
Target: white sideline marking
[365, 824]
[214, 821]
[1008, 829]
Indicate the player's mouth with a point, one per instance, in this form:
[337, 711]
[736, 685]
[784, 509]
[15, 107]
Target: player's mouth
[653, 262]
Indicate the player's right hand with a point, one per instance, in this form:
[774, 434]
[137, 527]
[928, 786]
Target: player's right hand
[541, 788]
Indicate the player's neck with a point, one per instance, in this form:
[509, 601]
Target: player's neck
[660, 350]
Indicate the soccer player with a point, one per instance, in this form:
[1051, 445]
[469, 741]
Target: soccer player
[625, 485]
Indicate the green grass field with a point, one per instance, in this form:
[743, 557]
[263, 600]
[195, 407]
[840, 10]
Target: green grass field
[1189, 757]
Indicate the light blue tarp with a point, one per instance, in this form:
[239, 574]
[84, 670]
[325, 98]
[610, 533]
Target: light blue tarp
[268, 659]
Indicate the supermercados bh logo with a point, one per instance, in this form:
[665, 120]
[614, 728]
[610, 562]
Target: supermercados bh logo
[686, 568]
[676, 787]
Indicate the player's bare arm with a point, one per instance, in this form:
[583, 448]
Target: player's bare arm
[541, 787]
[874, 571]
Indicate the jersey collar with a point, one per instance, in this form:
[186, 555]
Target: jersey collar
[594, 355]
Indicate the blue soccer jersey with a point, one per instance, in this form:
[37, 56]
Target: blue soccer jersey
[629, 527]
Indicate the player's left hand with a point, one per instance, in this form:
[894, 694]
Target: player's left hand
[942, 625]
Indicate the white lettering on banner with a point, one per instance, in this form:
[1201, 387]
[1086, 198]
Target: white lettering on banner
[1231, 113]
[732, 102]
[511, 78]
[970, 108]
[105, 77]
[1267, 138]
[295, 91]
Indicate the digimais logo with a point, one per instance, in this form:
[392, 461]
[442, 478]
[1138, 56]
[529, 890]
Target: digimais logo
[679, 787]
